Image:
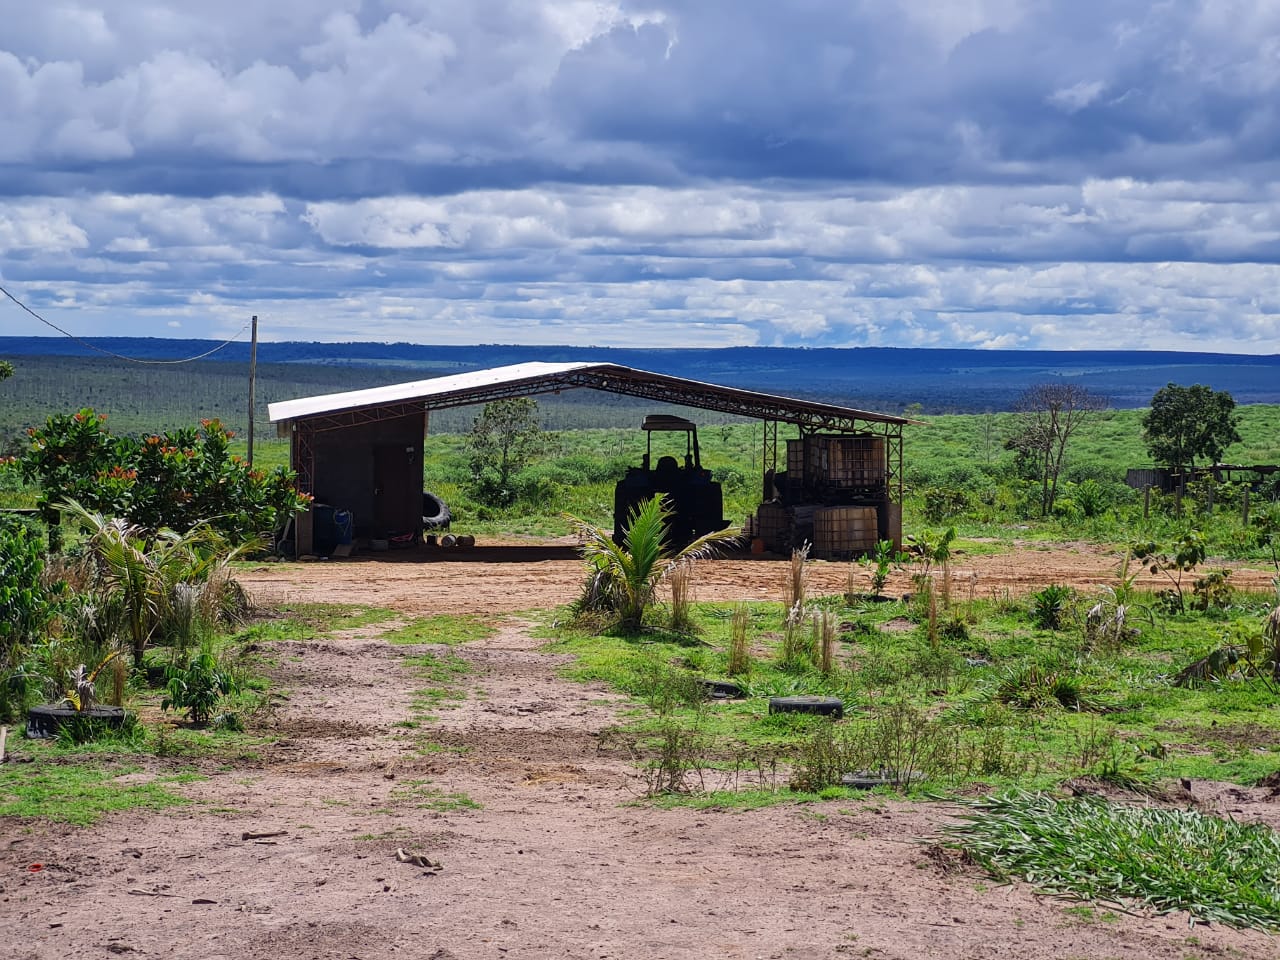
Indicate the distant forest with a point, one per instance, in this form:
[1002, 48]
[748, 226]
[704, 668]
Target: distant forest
[58, 375]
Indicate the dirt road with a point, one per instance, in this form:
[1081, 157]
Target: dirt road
[508, 785]
[509, 578]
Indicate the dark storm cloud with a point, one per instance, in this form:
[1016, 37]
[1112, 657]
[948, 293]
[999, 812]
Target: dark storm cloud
[404, 97]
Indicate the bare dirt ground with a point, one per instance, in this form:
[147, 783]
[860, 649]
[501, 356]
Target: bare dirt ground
[556, 860]
[511, 577]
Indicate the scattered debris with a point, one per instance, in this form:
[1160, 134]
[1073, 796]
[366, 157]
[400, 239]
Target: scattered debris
[418, 859]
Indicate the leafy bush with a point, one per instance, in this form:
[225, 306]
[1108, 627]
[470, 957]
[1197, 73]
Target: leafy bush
[1092, 498]
[176, 480]
[25, 607]
[1171, 859]
[731, 479]
[943, 503]
[197, 687]
[1050, 606]
[24, 601]
[1213, 591]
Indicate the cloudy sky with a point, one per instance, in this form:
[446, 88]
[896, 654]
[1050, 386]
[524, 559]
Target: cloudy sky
[985, 173]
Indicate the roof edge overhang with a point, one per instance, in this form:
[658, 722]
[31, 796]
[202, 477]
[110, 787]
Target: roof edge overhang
[482, 386]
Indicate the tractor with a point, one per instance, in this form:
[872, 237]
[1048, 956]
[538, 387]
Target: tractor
[695, 500]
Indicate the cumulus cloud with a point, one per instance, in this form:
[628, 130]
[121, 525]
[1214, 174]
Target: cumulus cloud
[970, 266]
[519, 91]
[999, 173]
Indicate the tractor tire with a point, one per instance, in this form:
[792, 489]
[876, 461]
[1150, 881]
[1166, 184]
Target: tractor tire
[435, 512]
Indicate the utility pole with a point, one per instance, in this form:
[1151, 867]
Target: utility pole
[253, 372]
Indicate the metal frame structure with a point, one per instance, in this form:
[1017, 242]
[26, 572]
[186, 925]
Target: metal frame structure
[305, 418]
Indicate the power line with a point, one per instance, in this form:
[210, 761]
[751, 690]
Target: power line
[86, 343]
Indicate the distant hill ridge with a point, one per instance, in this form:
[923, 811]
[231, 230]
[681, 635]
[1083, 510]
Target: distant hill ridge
[882, 378]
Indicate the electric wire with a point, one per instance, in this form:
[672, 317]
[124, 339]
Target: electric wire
[86, 343]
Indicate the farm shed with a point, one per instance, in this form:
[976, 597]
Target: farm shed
[362, 450]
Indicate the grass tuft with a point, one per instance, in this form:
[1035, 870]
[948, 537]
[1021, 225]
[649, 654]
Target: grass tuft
[81, 794]
[442, 629]
[1171, 860]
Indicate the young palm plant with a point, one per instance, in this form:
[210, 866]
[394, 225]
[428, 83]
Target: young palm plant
[628, 573]
[139, 570]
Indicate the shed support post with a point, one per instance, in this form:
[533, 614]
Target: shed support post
[769, 457]
[302, 457]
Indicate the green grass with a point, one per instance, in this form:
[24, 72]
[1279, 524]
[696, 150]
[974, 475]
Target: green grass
[743, 800]
[984, 706]
[81, 793]
[996, 701]
[422, 796]
[440, 672]
[305, 621]
[442, 629]
[1170, 860]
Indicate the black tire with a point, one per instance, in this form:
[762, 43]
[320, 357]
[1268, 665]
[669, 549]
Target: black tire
[435, 512]
[823, 706]
[45, 721]
[870, 779]
[723, 689]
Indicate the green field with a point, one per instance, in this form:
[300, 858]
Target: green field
[957, 457]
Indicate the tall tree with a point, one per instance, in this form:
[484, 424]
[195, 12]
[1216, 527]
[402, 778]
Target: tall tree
[505, 437]
[1050, 414]
[6, 369]
[1186, 424]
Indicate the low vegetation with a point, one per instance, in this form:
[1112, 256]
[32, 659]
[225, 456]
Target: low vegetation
[943, 691]
[1015, 697]
[1169, 860]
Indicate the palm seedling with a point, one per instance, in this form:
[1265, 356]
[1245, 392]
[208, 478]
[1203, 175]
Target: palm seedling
[625, 576]
[1109, 622]
[138, 571]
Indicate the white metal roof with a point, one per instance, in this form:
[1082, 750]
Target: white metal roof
[421, 389]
